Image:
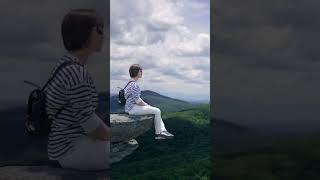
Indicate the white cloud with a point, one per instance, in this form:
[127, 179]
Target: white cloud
[198, 45]
[120, 52]
[164, 15]
[160, 36]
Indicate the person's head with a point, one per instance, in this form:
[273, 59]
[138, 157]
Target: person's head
[82, 29]
[135, 71]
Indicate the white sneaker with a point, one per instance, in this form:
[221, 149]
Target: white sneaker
[164, 135]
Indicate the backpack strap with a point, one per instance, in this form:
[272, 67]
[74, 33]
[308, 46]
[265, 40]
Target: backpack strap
[128, 84]
[64, 64]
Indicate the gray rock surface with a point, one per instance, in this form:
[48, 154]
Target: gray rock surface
[125, 127]
[49, 173]
[122, 149]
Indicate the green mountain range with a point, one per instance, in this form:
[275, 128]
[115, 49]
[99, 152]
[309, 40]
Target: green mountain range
[295, 159]
[238, 152]
[187, 156]
[154, 99]
[242, 153]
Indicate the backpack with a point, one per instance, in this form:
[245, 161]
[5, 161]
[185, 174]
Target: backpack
[37, 123]
[121, 98]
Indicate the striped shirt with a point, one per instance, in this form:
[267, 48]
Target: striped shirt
[73, 92]
[132, 94]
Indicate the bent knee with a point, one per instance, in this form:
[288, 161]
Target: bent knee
[157, 110]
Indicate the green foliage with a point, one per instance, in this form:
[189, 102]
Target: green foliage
[167, 104]
[187, 156]
[295, 159]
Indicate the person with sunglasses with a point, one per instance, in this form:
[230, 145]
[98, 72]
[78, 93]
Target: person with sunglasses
[136, 106]
[79, 138]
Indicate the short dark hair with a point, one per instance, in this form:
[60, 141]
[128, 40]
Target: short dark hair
[134, 70]
[77, 26]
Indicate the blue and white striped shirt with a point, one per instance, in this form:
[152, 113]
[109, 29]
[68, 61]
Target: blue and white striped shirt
[73, 91]
[132, 94]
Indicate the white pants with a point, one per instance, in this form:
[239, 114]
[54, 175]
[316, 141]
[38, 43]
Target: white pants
[144, 110]
[89, 154]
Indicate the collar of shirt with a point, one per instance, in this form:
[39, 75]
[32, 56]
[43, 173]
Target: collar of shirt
[133, 80]
[71, 57]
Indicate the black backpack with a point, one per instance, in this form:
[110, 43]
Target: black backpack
[121, 98]
[37, 123]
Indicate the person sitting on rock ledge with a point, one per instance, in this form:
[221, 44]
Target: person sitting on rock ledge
[136, 106]
[79, 139]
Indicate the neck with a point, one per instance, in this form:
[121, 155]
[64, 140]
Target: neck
[136, 78]
[82, 55]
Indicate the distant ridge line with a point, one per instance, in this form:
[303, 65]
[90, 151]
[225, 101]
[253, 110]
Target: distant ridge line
[149, 92]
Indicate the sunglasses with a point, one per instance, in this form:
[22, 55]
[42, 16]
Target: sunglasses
[99, 29]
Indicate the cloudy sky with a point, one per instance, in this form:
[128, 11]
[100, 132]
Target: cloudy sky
[267, 62]
[31, 44]
[170, 39]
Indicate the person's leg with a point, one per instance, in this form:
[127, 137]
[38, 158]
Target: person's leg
[89, 154]
[161, 132]
[158, 123]
[143, 110]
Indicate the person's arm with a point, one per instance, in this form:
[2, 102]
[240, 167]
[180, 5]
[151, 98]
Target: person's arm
[93, 126]
[136, 92]
[140, 102]
[145, 102]
[102, 132]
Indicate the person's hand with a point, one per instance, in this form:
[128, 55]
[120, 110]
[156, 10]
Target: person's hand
[102, 132]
